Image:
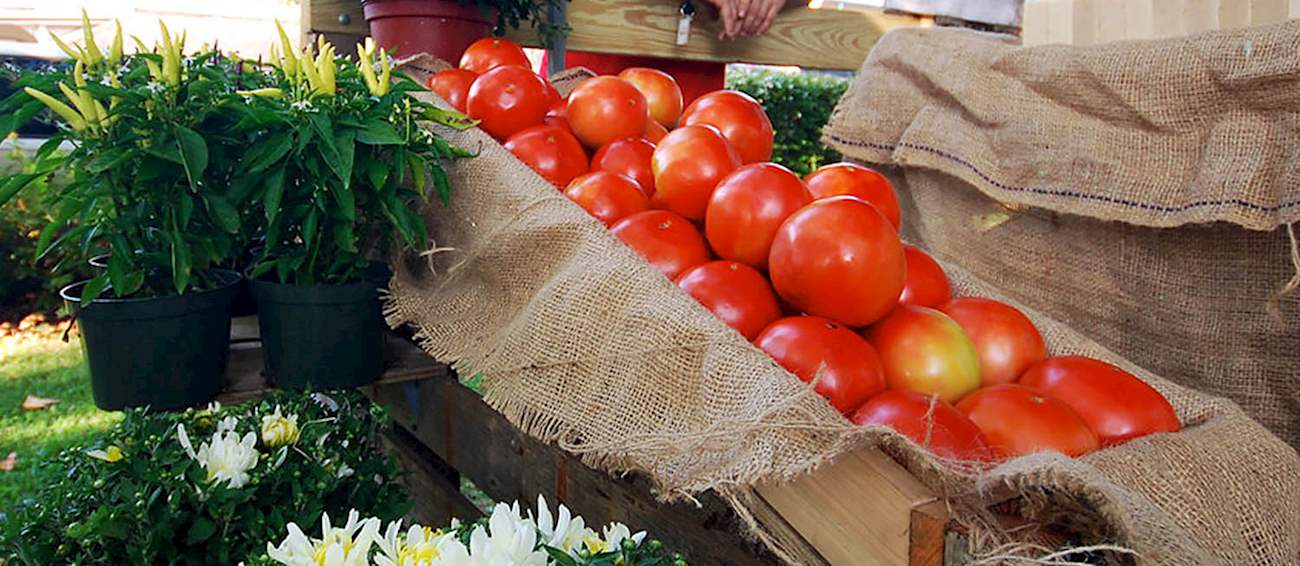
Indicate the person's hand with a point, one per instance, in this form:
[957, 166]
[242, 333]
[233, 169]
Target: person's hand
[746, 18]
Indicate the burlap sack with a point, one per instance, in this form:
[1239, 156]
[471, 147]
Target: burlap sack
[583, 344]
[1140, 192]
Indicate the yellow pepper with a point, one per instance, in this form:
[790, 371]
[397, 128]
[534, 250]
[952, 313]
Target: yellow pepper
[366, 65]
[326, 69]
[115, 50]
[268, 92]
[290, 64]
[386, 72]
[72, 53]
[93, 55]
[69, 115]
[171, 67]
[308, 69]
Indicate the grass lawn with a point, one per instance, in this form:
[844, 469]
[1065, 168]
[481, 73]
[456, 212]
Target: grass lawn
[44, 366]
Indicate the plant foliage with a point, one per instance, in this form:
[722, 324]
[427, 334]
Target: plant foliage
[136, 496]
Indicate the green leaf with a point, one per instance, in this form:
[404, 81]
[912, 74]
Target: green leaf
[309, 227]
[180, 263]
[223, 213]
[344, 237]
[261, 268]
[379, 132]
[560, 557]
[376, 173]
[417, 172]
[93, 288]
[200, 530]
[186, 210]
[274, 192]
[118, 266]
[11, 123]
[441, 184]
[268, 153]
[14, 184]
[194, 154]
[67, 210]
[346, 200]
[346, 149]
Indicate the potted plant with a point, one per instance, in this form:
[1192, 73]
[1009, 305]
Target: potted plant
[144, 187]
[345, 165]
[444, 28]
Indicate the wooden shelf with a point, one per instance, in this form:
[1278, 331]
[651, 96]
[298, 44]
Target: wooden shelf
[823, 39]
[403, 361]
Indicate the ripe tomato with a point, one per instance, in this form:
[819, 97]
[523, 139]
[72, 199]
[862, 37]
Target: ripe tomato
[668, 241]
[926, 284]
[1116, 404]
[739, 117]
[492, 52]
[945, 431]
[746, 209]
[803, 345]
[1019, 420]
[840, 259]
[654, 132]
[555, 117]
[858, 181]
[1008, 343]
[925, 351]
[604, 109]
[453, 86]
[550, 151]
[687, 165]
[507, 100]
[609, 197]
[662, 94]
[736, 293]
[629, 157]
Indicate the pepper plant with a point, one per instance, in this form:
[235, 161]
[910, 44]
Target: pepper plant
[342, 163]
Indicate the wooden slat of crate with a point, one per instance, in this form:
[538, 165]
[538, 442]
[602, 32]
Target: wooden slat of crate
[824, 39]
[861, 509]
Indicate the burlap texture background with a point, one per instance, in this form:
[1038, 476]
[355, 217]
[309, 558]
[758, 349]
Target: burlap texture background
[1140, 192]
[583, 344]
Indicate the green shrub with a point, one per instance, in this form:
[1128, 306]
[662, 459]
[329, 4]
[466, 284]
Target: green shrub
[152, 492]
[799, 106]
[26, 284]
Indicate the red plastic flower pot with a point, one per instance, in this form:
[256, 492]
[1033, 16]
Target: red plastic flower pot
[442, 28]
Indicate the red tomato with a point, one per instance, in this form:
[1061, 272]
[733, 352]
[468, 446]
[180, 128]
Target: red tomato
[925, 351]
[609, 197]
[804, 345]
[945, 431]
[926, 284]
[629, 157]
[507, 100]
[668, 241]
[858, 181]
[555, 117]
[1116, 404]
[739, 117]
[492, 52]
[662, 94]
[1007, 341]
[840, 259]
[604, 109]
[736, 293]
[687, 165]
[746, 209]
[1019, 420]
[550, 151]
[453, 86]
[654, 132]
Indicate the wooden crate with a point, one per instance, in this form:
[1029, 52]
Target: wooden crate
[823, 39]
[861, 509]
[1089, 22]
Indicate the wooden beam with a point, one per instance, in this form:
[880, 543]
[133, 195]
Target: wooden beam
[434, 488]
[824, 39]
[859, 509]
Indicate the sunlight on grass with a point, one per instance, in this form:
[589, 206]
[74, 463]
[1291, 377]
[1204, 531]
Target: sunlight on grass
[43, 366]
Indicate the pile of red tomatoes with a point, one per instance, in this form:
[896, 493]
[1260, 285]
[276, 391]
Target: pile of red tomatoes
[811, 270]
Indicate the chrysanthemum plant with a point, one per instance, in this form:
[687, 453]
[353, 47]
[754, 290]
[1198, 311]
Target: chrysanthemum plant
[339, 162]
[207, 486]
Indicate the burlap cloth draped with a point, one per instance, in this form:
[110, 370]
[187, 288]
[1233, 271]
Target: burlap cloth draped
[583, 344]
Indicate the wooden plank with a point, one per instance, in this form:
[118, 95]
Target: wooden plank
[854, 510]
[926, 531]
[431, 484]
[458, 426]
[828, 39]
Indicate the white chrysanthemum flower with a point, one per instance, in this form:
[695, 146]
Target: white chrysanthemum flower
[346, 546]
[227, 424]
[226, 457]
[280, 430]
[564, 531]
[617, 532]
[420, 547]
[509, 539]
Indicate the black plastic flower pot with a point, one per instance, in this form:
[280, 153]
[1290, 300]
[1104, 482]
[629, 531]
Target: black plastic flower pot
[164, 353]
[242, 305]
[321, 336]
